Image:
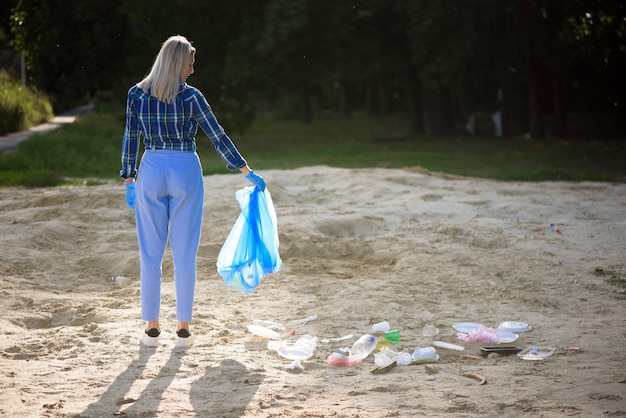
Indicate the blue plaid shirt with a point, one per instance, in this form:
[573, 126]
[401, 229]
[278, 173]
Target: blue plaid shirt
[172, 126]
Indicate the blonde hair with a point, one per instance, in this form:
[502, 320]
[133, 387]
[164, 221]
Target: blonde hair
[169, 68]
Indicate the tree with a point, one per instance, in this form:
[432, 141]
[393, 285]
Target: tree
[463, 53]
[70, 55]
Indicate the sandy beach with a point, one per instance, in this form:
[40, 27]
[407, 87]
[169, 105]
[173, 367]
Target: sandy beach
[359, 246]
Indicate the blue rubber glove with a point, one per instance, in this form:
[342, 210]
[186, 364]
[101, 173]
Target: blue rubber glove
[256, 180]
[130, 195]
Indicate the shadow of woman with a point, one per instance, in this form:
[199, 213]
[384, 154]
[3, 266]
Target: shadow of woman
[114, 397]
[147, 404]
[224, 390]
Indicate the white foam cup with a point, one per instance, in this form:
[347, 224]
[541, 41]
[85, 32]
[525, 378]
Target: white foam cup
[381, 327]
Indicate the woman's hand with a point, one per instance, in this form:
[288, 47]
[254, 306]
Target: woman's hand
[130, 194]
[256, 180]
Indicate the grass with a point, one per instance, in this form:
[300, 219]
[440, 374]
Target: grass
[615, 278]
[90, 149]
[21, 107]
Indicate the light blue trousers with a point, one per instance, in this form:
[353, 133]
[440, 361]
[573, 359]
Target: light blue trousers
[169, 202]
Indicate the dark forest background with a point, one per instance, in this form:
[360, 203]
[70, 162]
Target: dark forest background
[551, 67]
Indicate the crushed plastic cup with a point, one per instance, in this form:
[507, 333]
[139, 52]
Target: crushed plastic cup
[381, 327]
[393, 336]
[404, 359]
[382, 360]
[425, 354]
[390, 353]
[430, 330]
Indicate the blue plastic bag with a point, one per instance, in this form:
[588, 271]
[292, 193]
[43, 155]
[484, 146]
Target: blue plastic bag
[251, 249]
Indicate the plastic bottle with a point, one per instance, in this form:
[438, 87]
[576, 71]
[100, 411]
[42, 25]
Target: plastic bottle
[121, 281]
[382, 344]
[363, 347]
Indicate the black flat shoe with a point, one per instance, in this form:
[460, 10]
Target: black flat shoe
[150, 337]
[153, 332]
[184, 338]
[183, 333]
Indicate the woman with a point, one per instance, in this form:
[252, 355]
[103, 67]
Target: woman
[166, 112]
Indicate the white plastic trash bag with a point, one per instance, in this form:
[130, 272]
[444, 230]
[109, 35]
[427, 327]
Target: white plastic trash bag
[251, 249]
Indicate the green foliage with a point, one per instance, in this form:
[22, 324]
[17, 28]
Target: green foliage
[20, 107]
[363, 141]
[90, 149]
[614, 277]
[72, 47]
[437, 61]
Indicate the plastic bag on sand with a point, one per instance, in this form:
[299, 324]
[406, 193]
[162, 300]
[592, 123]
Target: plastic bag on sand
[251, 249]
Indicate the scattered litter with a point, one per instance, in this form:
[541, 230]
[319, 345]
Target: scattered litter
[475, 376]
[297, 351]
[500, 350]
[514, 326]
[264, 332]
[393, 336]
[338, 358]
[449, 346]
[552, 230]
[466, 327]
[430, 369]
[430, 330]
[382, 370]
[302, 322]
[424, 355]
[276, 326]
[385, 358]
[381, 327]
[536, 353]
[335, 339]
[121, 281]
[487, 335]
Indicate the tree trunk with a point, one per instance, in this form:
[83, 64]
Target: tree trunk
[305, 110]
[557, 107]
[344, 110]
[415, 102]
[369, 97]
[383, 98]
[535, 121]
[438, 118]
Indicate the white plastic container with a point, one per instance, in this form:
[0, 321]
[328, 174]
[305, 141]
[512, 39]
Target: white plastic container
[381, 327]
[404, 359]
[425, 353]
[430, 330]
[121, 281]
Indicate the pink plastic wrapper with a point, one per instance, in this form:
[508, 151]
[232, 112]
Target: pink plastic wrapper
[482, 334]
[338, 359]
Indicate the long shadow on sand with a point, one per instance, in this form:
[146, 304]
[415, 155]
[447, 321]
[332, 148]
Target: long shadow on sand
[225, 390]
[115, 396]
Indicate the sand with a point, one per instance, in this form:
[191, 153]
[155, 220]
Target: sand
[358, 247]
